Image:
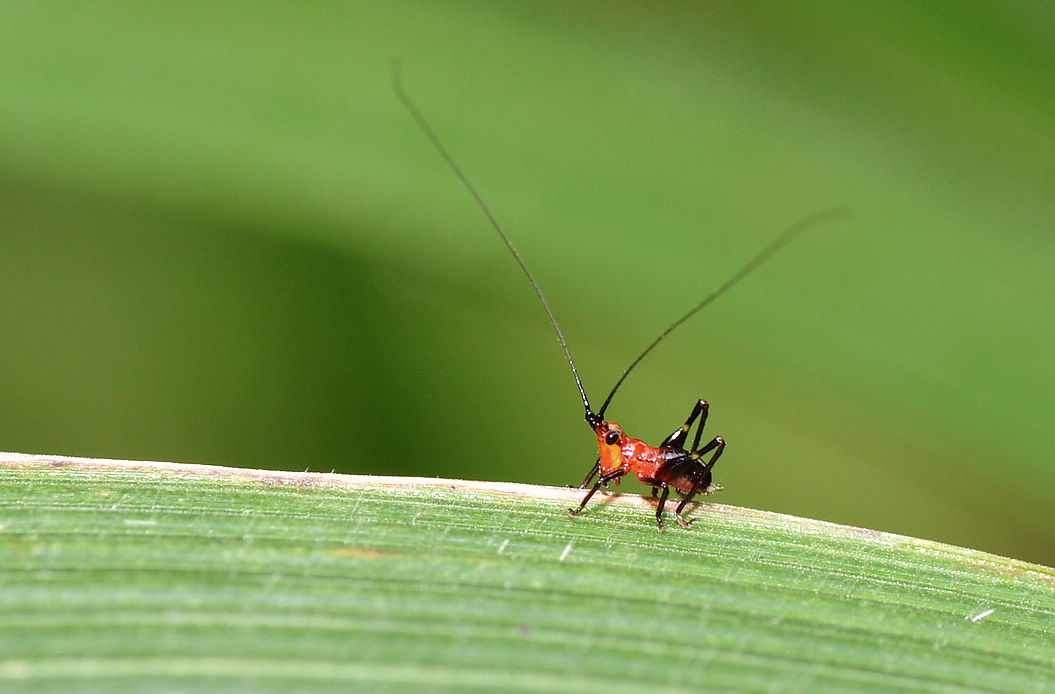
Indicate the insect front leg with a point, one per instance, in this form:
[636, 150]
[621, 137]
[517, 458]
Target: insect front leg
[603, 479]
[589, 476]
[679, 435]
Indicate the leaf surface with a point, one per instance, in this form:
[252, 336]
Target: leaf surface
[128, 576]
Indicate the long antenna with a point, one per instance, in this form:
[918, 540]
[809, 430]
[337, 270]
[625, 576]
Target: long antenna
[595, 418]
[397, 84]
[779, 242]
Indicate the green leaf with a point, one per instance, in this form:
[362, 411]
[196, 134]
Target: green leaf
[129, 576]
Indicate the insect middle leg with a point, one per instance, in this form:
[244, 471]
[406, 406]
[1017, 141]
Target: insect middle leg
[662, 502]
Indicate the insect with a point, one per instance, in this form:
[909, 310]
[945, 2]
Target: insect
[670, 465]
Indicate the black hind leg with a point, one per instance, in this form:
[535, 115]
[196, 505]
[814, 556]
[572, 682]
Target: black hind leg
[680, 435]
[717, 444]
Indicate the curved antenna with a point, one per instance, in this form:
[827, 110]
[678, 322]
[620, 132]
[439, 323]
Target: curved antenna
[397, 84]
[779, 242]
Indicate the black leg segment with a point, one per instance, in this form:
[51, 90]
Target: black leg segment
[662, 502]
[680, 435]
[589, 476]
[604, 479]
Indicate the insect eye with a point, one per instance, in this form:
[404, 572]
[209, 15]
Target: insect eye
[612, 438]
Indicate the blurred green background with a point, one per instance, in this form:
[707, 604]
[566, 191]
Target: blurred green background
[223, 241]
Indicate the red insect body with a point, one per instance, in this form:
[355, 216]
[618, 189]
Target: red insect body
[628, 454]
[664, 467]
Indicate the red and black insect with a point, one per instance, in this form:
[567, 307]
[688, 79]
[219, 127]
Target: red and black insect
[670, 465]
